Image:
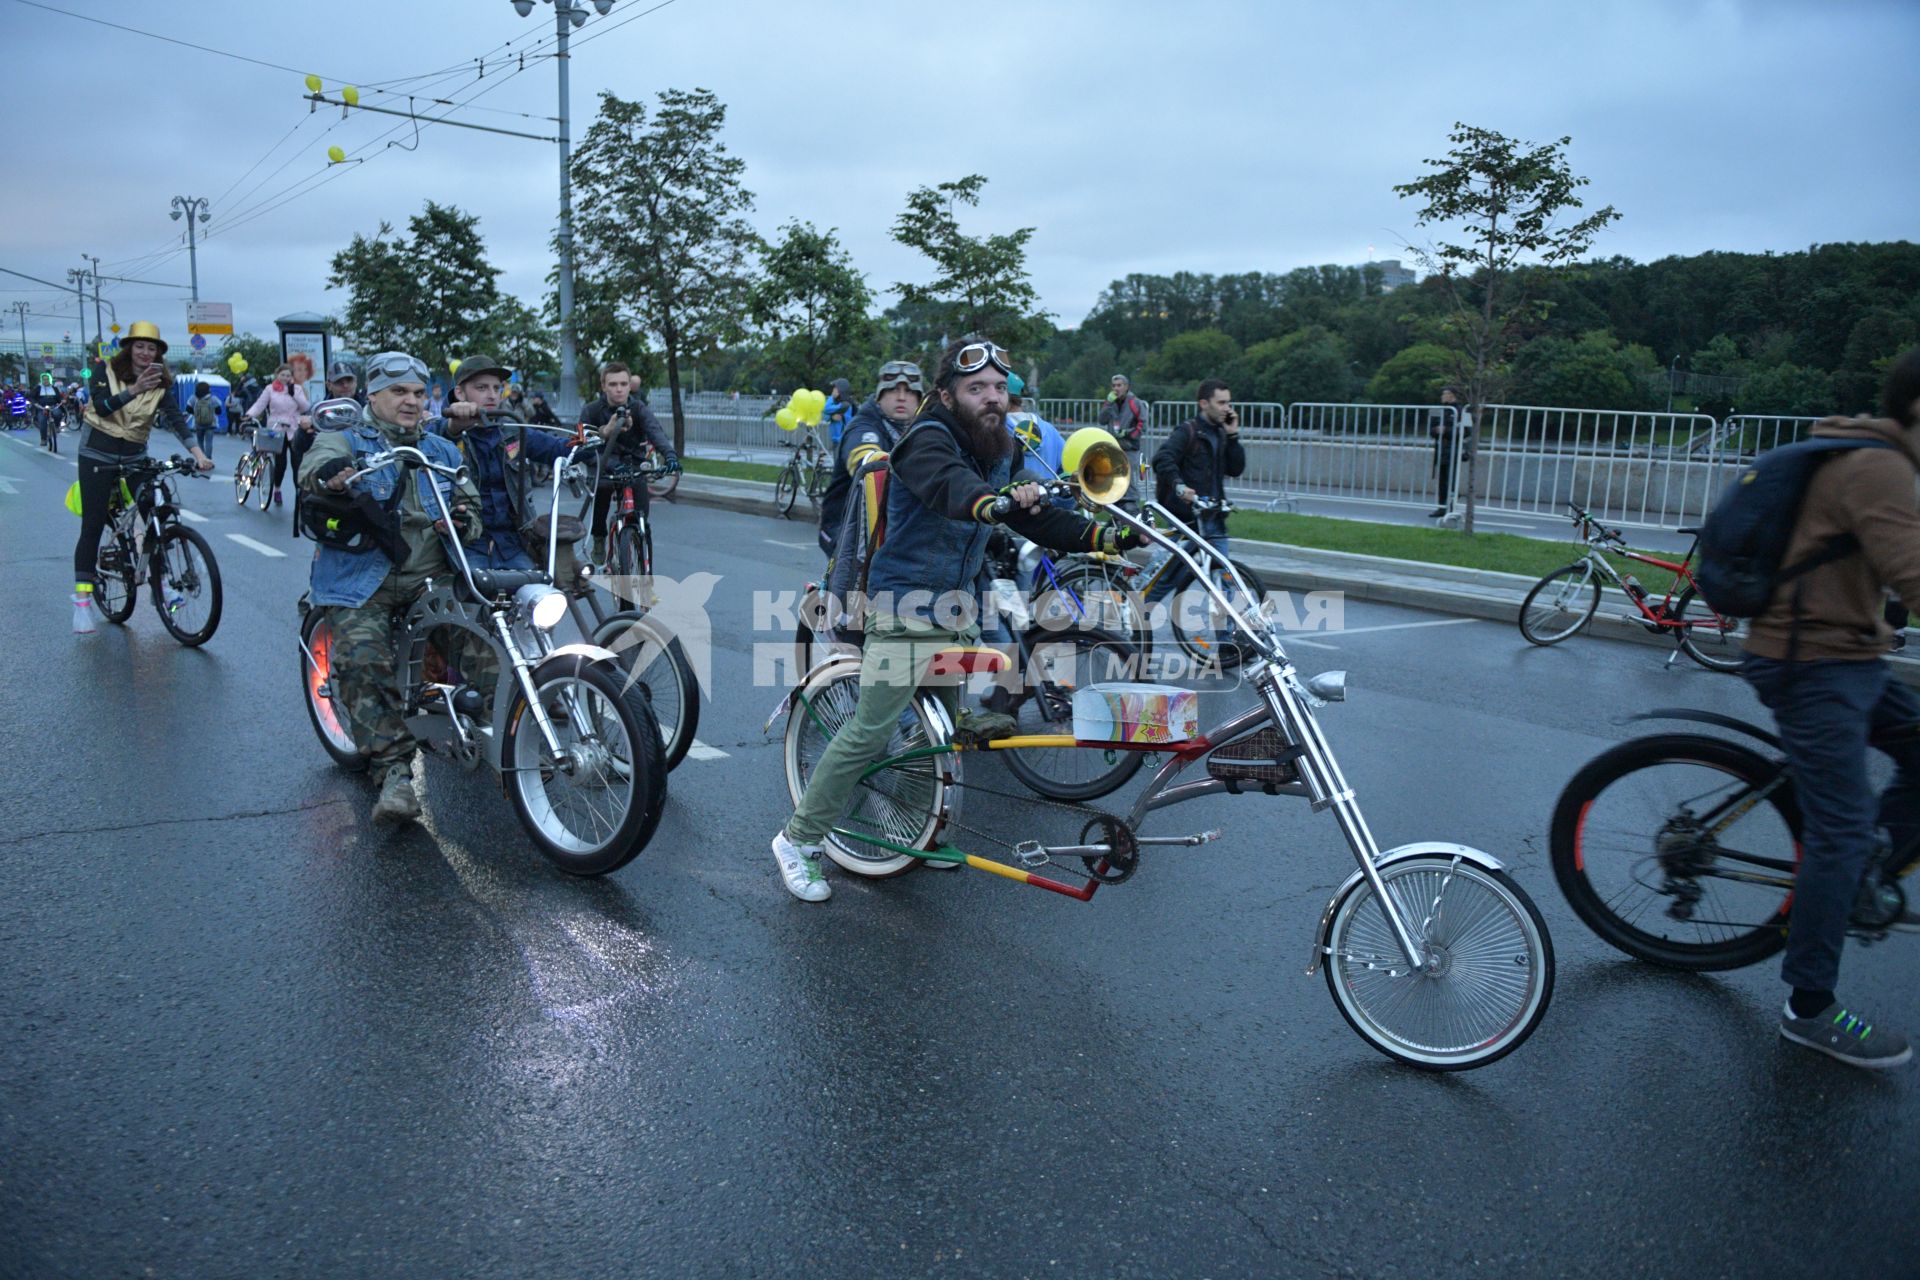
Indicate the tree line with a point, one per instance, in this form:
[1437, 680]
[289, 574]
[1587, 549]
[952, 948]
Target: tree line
[673, 279]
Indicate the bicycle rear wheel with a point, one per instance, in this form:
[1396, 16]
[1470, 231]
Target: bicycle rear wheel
[1715, 642]
[324, 708]
[1490, 972]
[663, 486]
[1560, 604]
[1094, 596]
[113, 584]
[1057, 664]
[1680, 850]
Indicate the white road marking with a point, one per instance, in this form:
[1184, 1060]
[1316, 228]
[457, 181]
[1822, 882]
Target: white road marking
[261, 547]
[1405, 626]
[1290, 641]
[8, 484]
[701, 751]
[797, 546]
[192, 517]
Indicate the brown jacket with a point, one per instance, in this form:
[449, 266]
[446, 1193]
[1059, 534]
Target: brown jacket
[1869, 493]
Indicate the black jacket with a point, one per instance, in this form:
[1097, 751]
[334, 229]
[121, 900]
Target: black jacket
[632, 442]
[1200, 456]
[868, 432]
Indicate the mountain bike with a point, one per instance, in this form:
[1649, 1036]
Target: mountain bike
[1115, 591]
[254, 471]
[577, 750]
[1563, 602]
[1431, 951]
[145, 543]
[1680, 849]
[805, 472]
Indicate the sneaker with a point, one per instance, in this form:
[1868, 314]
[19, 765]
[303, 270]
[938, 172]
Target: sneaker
[800, 869]
[1839, 1034]
[399, 800]
[276, 498]
[976, 727]
[83, 613]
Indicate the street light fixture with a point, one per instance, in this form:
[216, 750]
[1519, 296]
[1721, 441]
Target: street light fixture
[195, 208]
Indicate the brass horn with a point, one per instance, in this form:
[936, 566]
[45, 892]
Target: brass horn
[1099, 465]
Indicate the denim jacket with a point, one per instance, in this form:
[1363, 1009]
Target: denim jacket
[350, 578]
[927, 550]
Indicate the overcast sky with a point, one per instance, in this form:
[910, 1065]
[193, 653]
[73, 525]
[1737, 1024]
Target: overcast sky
[1149, 136]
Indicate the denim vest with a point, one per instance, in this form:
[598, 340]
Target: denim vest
[926, 554]
[350, 578]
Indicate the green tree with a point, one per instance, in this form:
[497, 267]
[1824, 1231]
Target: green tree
[1592, 371]
[1178, 367]
[428, 292]
[1788, 389]
[660, 238]
[512, 331]
[1309, 365]
[261, 355]
[812, 304]
[980, 283]
[1505, 198]
[1416, 375]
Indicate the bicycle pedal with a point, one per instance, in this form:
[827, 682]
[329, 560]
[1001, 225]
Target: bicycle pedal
[1031, 854]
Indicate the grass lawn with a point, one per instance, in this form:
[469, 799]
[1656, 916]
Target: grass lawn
[731, 470]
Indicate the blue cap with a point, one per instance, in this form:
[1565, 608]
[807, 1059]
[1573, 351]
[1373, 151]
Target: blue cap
[1015, 384]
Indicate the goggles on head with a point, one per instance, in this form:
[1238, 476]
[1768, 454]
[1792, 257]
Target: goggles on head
[976, 356]
[395, 366]
[896, 373]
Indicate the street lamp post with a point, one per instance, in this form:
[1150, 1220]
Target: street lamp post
[78, 279]
[567, 14]
[191, 206]
[26, 357]
[99, 329]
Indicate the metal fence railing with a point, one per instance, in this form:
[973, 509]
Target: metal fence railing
[1383, 454]
[1635, 468]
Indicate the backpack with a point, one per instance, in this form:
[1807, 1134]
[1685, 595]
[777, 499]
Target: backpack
[205, 411]
[863, 528]
[1744, 538]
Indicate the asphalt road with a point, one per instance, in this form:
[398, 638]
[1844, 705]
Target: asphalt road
[244, 1034]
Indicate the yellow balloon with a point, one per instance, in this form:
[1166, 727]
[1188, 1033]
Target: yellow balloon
[453, 366]
[313, 84]
[786, 419]
[816, 405]
[237, 362]
[350, 96]
[335, 155]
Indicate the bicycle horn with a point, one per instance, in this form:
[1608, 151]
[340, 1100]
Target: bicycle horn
[1094, 459]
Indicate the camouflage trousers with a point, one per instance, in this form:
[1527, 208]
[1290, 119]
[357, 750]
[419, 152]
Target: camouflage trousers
[364, 680]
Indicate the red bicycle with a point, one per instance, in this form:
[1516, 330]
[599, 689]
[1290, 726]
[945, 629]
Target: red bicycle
[1564, 601]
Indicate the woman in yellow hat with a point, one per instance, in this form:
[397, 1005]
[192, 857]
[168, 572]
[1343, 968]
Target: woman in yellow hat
[129, 393]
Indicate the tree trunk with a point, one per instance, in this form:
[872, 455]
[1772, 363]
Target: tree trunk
[673, 389]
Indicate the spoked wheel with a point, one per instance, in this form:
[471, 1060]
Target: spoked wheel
[1205, 630]
[185, 580]
[1096, 597]
[1057, 664]
[263, 480]
[113, 577]
[1488, 974]
[908, 803]
[243, 473]
[1680, 850]
[324, 708]
[592, 807]
[657, 670]
[1560, 604]
[630, 553]
[786, 489]
[1709, 639]
[663, 486]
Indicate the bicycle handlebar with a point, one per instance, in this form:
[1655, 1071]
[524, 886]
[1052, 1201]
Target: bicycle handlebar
[1591, 530]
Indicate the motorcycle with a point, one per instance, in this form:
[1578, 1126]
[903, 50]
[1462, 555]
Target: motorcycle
[575, 743]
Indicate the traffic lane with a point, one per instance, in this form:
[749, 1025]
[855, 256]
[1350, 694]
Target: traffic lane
[1091, 1021]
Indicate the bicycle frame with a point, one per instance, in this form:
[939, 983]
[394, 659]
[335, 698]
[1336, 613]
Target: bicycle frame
[1658, 615]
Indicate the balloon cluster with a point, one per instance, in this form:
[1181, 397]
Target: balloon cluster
[237, 363]
[803, 407]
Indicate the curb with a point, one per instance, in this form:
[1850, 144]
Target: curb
[1451, 589]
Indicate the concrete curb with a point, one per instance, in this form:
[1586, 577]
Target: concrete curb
[1466, 593]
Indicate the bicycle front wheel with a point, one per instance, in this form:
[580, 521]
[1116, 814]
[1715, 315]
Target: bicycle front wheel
[263, 480]
[657, 670]
[664, 486]
[1205, 630]
[1057, 664]
[243, 478]
[1715, 642]
[1094, 596]
[786, 489]
[1489, 970]
[186, 586]
[1559, 604]
[1680, 850]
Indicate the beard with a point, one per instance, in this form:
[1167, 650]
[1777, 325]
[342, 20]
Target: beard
[987, 436]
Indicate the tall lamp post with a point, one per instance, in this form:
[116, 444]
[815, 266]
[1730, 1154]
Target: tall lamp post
[567, 14]
[191, 206]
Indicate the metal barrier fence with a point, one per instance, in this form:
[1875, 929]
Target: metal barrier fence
[1631, 468]
[1384, 454]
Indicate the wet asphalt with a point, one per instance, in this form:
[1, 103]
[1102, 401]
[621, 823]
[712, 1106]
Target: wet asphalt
[244, 1033]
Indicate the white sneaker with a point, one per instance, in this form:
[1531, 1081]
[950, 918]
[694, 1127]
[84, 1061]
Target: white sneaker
[800, 869]
[83, 614]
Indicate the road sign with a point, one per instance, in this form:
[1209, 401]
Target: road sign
[198, 342]
[210, 317]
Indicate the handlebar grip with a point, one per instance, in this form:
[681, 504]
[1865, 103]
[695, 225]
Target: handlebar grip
[1002, 508]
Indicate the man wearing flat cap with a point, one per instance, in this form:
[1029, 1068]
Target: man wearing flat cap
[496, 445]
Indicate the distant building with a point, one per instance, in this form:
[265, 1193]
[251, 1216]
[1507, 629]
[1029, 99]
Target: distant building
[1392, 274]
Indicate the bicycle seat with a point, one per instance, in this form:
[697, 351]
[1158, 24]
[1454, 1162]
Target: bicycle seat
[572, 528]
[504, 582]
[967, 661]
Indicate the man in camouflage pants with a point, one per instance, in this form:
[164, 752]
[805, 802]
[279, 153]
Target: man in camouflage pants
[364, 589]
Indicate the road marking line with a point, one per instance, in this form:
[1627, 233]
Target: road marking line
[797, 546]
[1405, 626]
[192, 517]
[701, 751]
[261, 547]
[1311, 644]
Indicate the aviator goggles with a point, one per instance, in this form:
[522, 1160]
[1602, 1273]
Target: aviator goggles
[976, 356]
[897, 372]
[390, 367]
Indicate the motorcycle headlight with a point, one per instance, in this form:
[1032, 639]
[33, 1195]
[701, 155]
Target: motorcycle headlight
[542, 606]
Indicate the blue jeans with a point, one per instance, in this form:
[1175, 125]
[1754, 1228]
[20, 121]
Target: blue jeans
[499, 549]
[1826, 710]
[1214, 530]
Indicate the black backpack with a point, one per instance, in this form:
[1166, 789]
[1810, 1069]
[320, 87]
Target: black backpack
[1744, 538]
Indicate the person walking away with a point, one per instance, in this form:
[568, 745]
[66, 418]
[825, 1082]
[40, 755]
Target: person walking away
[280, 406]
[130, 394]
[364, 589]
[1817, 658]
[205, 412]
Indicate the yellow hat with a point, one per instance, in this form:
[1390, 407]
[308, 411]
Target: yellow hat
[145, 329]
